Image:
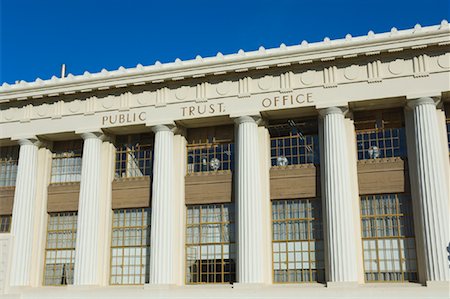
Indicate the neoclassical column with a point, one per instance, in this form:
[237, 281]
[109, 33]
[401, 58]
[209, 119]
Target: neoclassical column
[432, 189]
[23, 211]
[162, 229]
[249, 203]
[337, 199]
[87, 259]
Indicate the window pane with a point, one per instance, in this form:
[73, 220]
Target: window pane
[134, 155]
[60, 248]
[66, 161]
[130, 249]
[210, 247]
[388, 238]
[9, 158]
[297, 243]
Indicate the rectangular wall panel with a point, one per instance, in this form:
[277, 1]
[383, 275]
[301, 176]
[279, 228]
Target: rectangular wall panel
[133, 192]
[208, 187]
[295, 181]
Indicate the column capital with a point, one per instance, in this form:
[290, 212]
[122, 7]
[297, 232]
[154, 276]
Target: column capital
[34, 140]
[257, 119]
[93, 134]
[420, 101]
[333, 110]
[163, 128]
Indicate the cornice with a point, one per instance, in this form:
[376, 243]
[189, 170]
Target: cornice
[241, 62]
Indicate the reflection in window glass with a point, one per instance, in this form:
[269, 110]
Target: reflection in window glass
[60, 248]
[130, 246]
[9, 159]
[134, 155]
[298, 254]
[66, 161]
[388, 238]
[210, 244]
[5, 223]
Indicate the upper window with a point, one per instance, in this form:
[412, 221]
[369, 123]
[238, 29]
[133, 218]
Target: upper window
[210, 149]
[60, 248]
[5, 223]
[380, 134]
[294, 142]
[388, 238]
[298, 252]
[130, 246]
[9, 157]
[210, 244]
[134, 155]
[66, 161]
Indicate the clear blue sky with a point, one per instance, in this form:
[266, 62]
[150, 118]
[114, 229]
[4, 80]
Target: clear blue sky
[38, 36]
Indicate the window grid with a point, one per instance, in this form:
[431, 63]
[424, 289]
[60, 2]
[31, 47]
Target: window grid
[296, 148]
[210, 156]
[130, 247]
[5, 223]
[389, 142]
[448, 133]
[388, 238]
[66, 162]
[134, 160]
[297, 244]
[60, 248]
[9, 159]
[210, 244]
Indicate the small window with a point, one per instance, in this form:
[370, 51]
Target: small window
[9, 159]
[66, 162]
[294, 142]
[5, 223]
[380, 134]
[134, 155]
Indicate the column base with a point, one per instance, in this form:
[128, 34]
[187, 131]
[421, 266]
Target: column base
[240, 285]
[438, 284]
[342, 284]
[162, 286]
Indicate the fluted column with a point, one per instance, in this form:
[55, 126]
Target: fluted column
[432, 189]
[87, 259]
[23, 211]
[337, 198]
[162, 229]
[249, 203]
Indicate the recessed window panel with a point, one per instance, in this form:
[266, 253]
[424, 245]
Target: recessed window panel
[297, 241]
[9, 159]
[134, 156]
[66, 161]
[210, 244]
[388, 238]
[60, 248]
[5, 223]
[130, 246]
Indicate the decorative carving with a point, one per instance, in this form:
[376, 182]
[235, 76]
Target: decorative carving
[200, 92]
[420, 64]
[265, 83]
[27, 112]
[90, 106]
[107, 103]
[396, 67]
[161, 97]
[309, 77]
[182, 92]
[352, 72]
[329, 77]
[223, 88]
[125, 101]
[374, 71]
[286, 82]
[75, 106]
[444, 61]
[42, 110]
[10, 113]
[58, 109]
[244, 87]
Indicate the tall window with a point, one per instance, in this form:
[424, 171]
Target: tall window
[294, 142]
[60, 248]
[447, 113]
[5, 223]
[380, 134]
[134, 155]
[130, 246]
[66, 162]
[210, 244]
[298, 254]
[388, 238]
[9, 158]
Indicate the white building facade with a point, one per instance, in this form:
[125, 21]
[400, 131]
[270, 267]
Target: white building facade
[316, 170]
